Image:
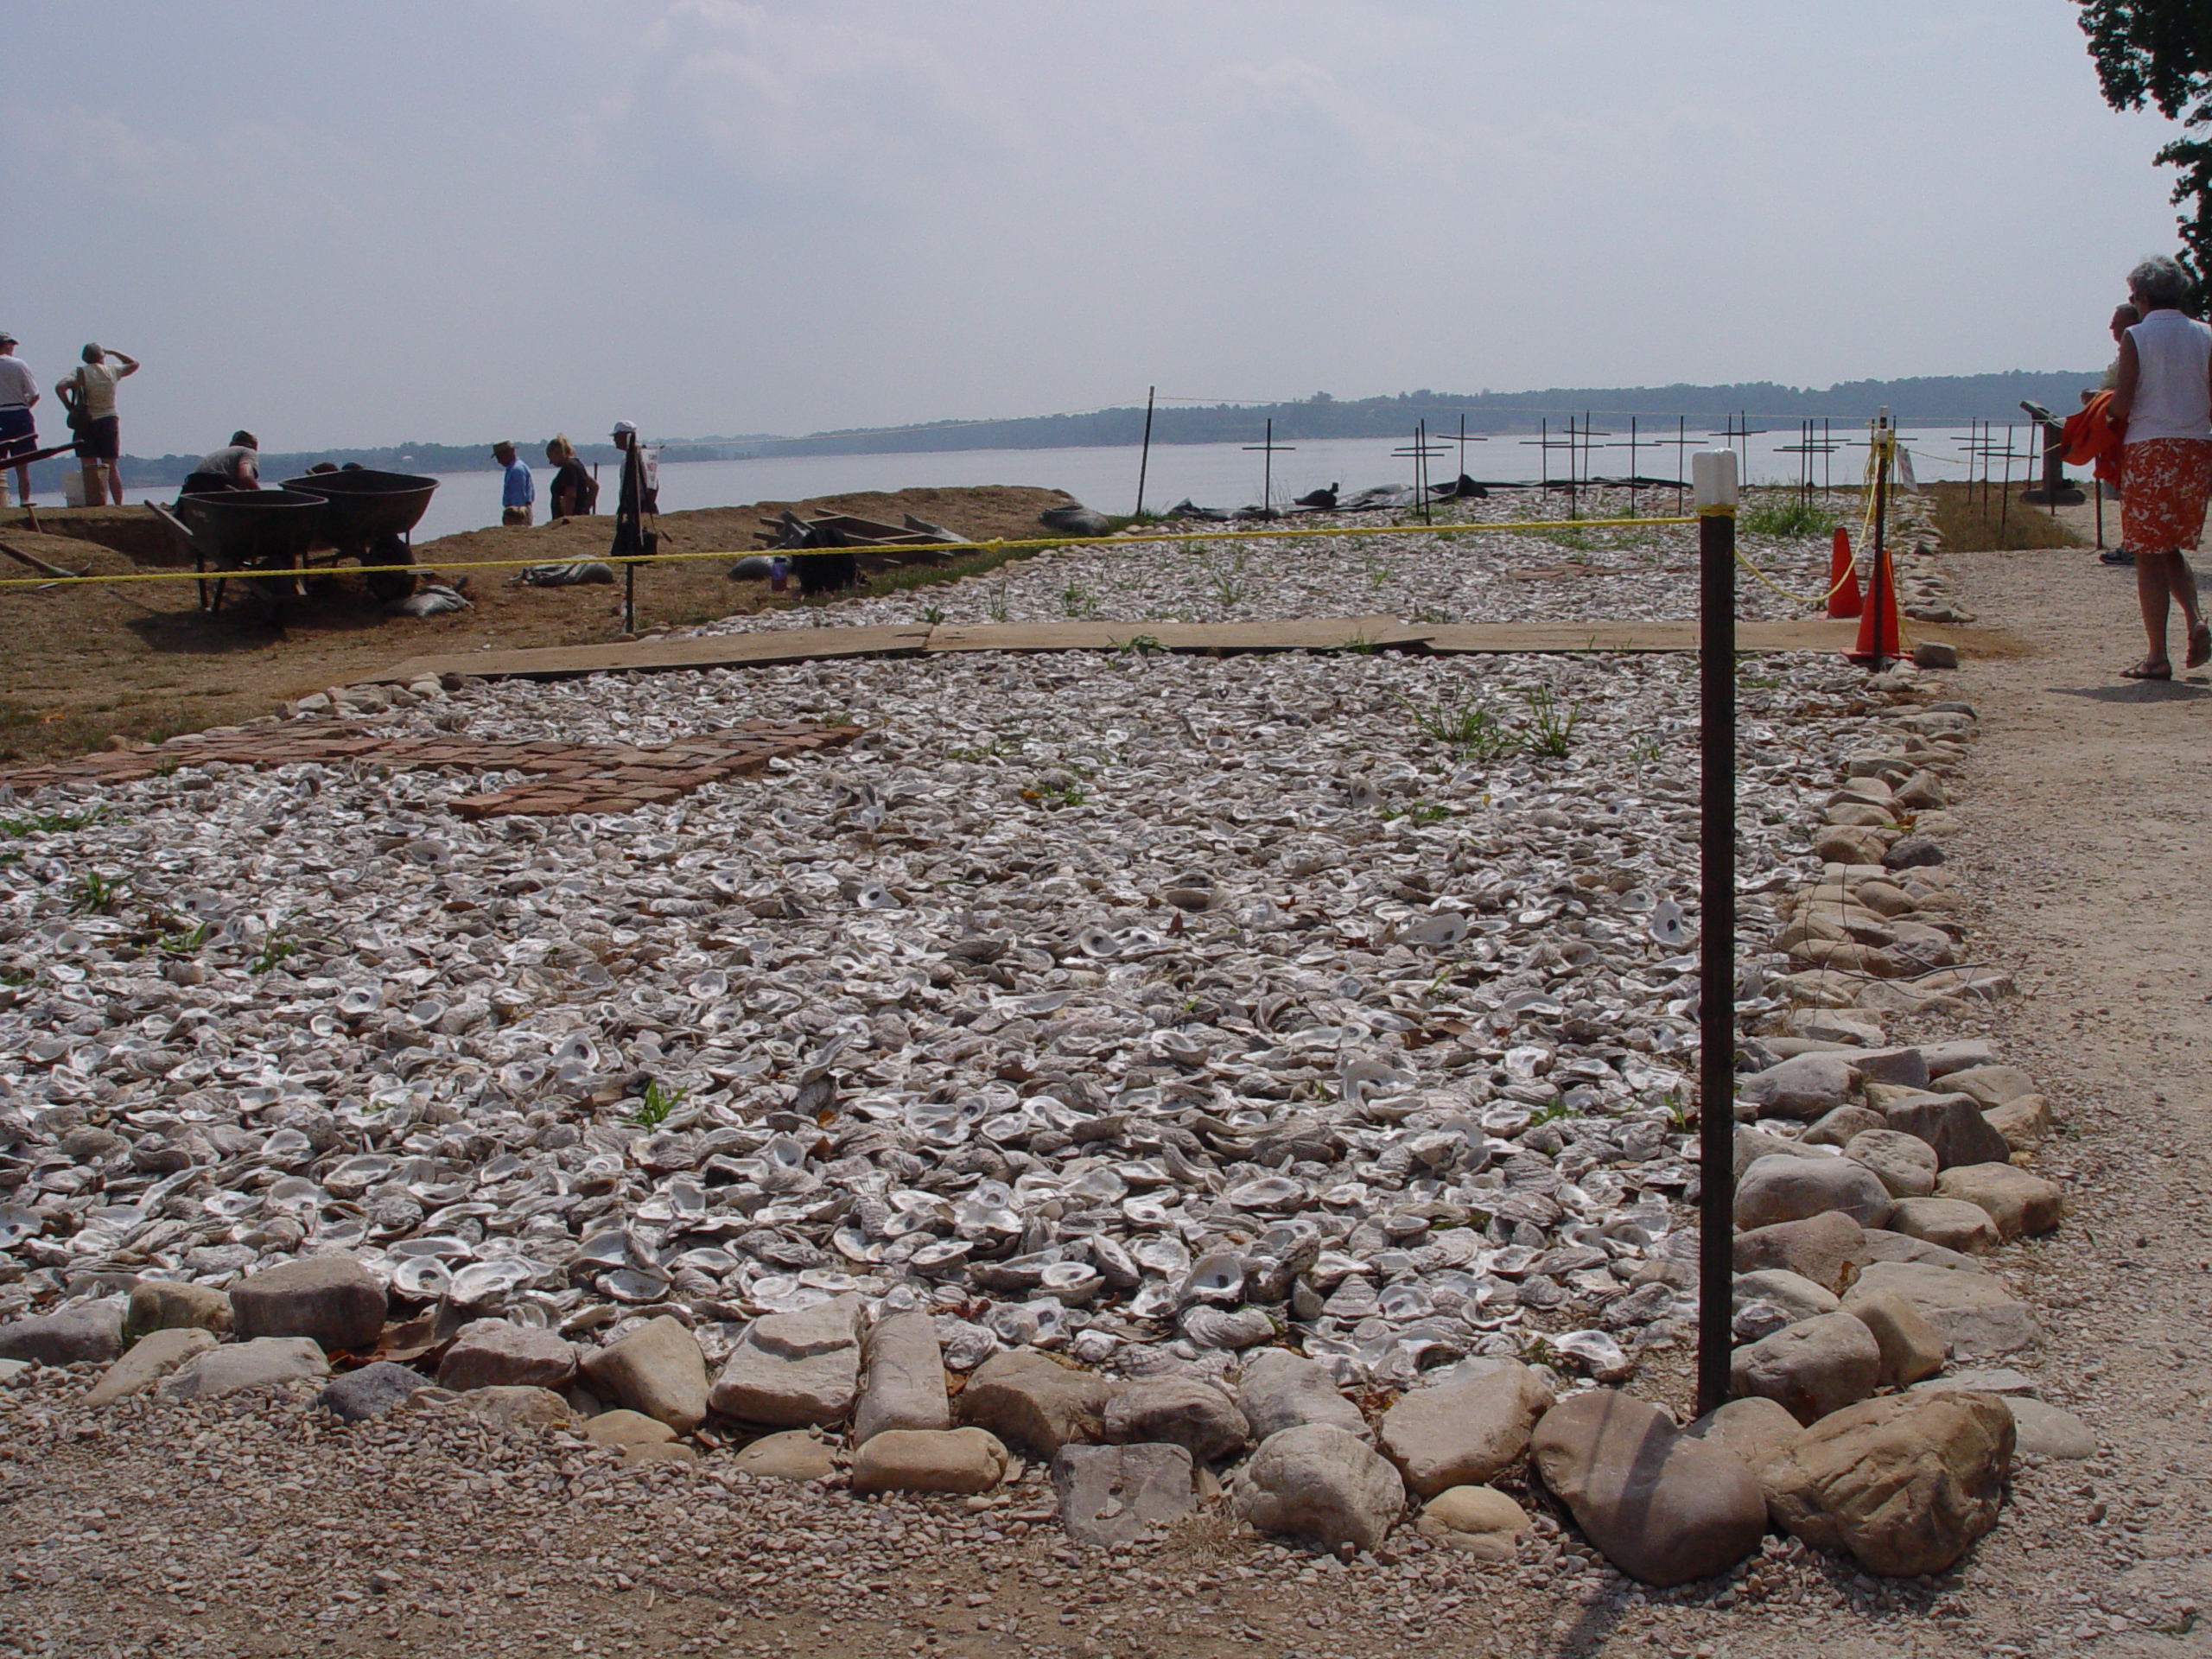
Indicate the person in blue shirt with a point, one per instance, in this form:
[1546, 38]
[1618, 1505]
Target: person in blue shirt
[518, 490]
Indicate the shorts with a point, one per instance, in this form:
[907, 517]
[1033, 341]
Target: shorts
[2167, 483]
[101, 440]
[18, 432]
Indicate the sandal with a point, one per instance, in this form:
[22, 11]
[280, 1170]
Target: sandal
[2148, 670]
[2200, 646]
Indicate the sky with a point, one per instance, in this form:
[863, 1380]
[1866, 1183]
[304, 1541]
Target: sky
[455, 220]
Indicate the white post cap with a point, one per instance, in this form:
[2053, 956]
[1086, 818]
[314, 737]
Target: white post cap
[1713, 477]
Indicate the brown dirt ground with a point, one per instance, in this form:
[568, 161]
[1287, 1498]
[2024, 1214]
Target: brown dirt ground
[140, 662]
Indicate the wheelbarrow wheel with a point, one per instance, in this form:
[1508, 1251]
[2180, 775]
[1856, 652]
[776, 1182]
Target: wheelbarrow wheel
[388, 585]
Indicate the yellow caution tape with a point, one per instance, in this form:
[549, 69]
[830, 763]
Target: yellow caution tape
[281, 572]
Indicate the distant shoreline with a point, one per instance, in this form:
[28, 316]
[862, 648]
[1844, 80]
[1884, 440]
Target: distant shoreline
[1942, 400]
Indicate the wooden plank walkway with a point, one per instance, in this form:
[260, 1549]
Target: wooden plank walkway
[1816, 634]
[765, 646]
[1309, 633]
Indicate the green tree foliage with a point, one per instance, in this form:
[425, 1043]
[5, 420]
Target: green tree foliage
[2159, 53]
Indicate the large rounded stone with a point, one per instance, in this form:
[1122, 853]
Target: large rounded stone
[260, 1363]
[524, 1407]
[1319, 1481]
[1827, 1249]
[1911, 1348]
[1026, 1397]
[370, 1392]
[1278, 1390]
[1806, 1087]
[2025, 1123]
[657, 1370]
[1794, 1295]
[1464, 1432]
[1905, 1164]
[1812, 1368]
[1976, 1314]
[493, 1353]
[1177, 1411]
[902, 1384]
[1479, 1521]
[91, 1331]
[1952, 1124]
[1905, 1482]
[1992, 1086]
[1662, 1506]
[1778, 1188]
[149, 1359]
[332, 1300]
[1752, 1145]
[1754, 1428]
[962, 1461]
[794, 1454]
[1836, 1128]
[2018, 1203]
[793, 1369]
[170, 1305]
[1951, 1222]
[1108, 1494]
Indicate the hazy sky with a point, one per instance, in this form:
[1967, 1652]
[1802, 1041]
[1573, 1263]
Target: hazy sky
[361, 223]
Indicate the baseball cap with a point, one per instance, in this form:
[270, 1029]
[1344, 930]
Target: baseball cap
[625, 428]
[7, 338]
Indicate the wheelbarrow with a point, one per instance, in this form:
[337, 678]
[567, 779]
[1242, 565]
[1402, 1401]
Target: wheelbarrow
[370, 517]
[260, 536]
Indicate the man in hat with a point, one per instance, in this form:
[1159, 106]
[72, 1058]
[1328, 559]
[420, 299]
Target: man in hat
[89, 395]
[18, 431]
[639, 497]
[520, 490]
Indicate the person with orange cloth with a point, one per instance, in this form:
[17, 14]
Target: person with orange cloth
[2164, 395]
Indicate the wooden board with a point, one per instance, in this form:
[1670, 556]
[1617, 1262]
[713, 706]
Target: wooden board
[1813, 633]
[753, 649]
[1307, 633]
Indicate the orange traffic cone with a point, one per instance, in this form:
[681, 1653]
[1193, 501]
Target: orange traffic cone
[1843, 579]
[1881, 602]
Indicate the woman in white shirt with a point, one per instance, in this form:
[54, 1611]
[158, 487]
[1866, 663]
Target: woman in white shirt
[2164, 395]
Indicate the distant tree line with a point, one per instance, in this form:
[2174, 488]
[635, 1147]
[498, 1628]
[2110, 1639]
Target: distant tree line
[1926, 400]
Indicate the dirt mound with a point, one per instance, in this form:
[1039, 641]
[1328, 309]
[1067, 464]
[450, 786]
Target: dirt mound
[139, 661]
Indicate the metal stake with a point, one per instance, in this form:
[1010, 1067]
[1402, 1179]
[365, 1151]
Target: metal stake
[1716, 493]
[1878, 584]
[1144, 460]
[1268, 448]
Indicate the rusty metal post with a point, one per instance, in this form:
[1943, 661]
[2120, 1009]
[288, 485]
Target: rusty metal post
[1716, 493]
[1144, 457]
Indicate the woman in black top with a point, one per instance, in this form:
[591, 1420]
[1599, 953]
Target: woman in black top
[575, 492]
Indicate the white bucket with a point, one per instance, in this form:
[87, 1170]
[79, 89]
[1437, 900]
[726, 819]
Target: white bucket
[72, 487]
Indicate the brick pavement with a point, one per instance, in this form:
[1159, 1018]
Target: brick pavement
[564, 777]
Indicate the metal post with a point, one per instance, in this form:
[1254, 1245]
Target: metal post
[1716, 495]
[1268, 472]
[2004, 493]
[630, 597]
[1144, 459]
[1878, 584]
